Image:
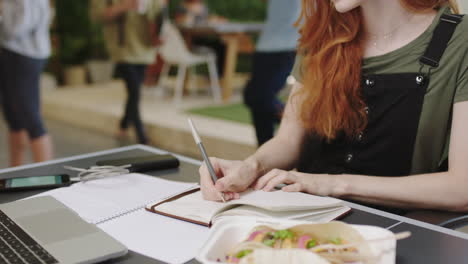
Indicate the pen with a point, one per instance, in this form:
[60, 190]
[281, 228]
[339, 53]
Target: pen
[205, 156]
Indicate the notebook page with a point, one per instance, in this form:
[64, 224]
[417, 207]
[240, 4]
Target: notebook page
[99, 200]
[157, 236]
[247, 210]
[286, 201]
[194, 207]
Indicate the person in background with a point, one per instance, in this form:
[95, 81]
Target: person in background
[128, 27]
[192, 12]
[379, 113]
[195, 13]
[272, 64]
[25, 47]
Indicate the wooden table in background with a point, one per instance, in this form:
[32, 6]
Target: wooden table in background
[234, 35]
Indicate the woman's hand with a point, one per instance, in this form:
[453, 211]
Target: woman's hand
[319, 184]
[233, 177]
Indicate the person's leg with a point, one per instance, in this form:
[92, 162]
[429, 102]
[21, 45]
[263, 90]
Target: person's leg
[20, 93]
[41, 148]
[28, 90]
[133, 75]
[269, 74]
[220, 50]
[136, 117]
[17, 144]
[41, 144]
[217, 46]
[122, 71]
[17, 137]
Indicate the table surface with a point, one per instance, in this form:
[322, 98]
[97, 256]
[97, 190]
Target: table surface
[428, 243]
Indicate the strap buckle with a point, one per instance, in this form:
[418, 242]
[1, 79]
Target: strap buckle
[451, 18]
[429, 71]
[431, 62]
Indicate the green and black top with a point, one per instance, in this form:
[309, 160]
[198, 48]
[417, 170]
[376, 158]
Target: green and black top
[410, 112]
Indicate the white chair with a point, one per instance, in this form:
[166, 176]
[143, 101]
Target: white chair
[175, 53]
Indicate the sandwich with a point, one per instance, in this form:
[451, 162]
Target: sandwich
[330, 243]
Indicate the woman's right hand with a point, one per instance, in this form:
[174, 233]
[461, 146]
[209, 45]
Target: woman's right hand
[234, 176]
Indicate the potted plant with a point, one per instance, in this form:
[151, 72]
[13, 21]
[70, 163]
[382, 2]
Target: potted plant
[73, 29]
[99, 66]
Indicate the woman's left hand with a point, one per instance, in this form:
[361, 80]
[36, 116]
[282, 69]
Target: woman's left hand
[319, 184]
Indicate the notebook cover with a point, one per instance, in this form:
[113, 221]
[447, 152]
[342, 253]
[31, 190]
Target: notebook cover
[153, 210]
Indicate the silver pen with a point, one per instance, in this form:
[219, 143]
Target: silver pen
[205, 156]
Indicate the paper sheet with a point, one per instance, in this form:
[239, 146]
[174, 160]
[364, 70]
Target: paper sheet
[98, 200]
[157, 236]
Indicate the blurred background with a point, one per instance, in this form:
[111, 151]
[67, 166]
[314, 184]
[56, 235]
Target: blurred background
[83, 100]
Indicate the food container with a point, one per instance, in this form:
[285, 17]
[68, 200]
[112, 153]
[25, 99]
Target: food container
[228, 232]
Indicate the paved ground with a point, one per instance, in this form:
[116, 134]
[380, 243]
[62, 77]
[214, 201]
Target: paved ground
[99, 107]
[68, 140]
[89, 115]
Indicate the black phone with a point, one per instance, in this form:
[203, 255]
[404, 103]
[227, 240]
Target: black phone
[144, 163]
[34, 182]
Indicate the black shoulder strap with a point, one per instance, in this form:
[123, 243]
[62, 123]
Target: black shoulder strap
[440, 38]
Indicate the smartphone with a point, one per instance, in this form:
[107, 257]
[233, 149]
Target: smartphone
[35, 182]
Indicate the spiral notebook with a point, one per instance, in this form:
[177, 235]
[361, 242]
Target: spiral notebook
[101, 200]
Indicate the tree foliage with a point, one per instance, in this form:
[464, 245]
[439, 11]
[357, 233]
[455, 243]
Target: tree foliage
[236, 10]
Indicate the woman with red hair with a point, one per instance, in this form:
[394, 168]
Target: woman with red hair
[381, 112]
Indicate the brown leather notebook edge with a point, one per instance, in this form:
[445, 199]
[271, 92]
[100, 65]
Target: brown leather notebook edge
[153, 210]
[344, 214]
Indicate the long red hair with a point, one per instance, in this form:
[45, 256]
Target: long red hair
[332, 47]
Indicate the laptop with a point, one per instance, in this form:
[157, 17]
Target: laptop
[43, 230]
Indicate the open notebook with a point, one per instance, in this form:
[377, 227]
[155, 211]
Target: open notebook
[190, 206]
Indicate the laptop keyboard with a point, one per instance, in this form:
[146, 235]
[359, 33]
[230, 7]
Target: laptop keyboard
[16, 246]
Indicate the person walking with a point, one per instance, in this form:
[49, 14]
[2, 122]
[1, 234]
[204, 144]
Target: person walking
[127, 26]
[272, 64]
[25, 47]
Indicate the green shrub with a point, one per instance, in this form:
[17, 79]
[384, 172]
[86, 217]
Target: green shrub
[78, 38]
